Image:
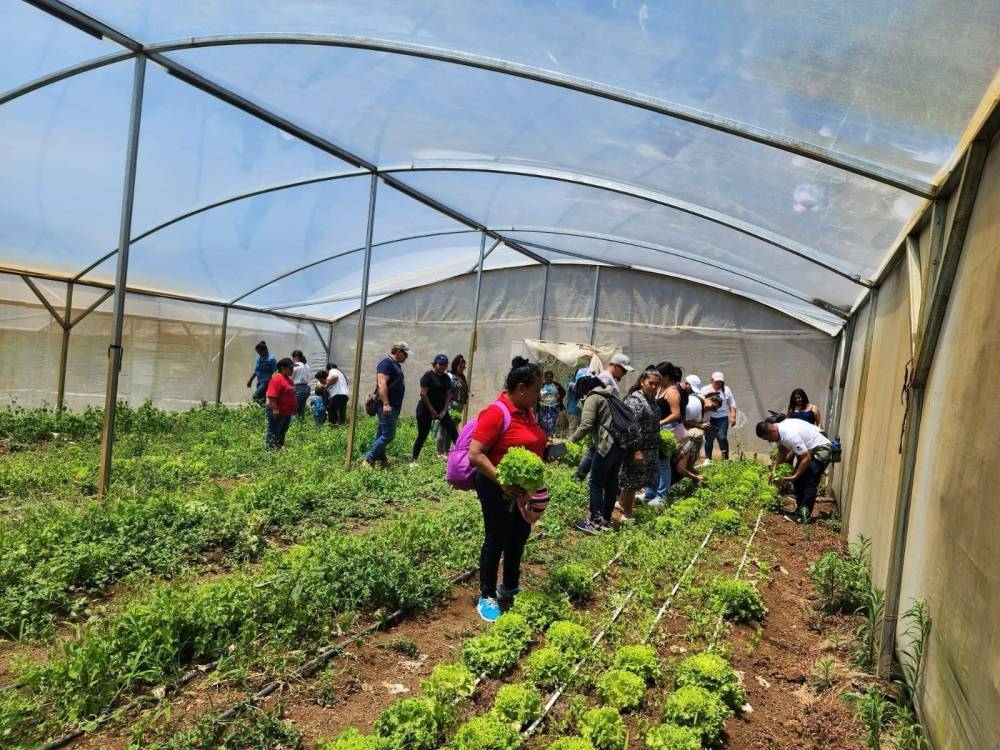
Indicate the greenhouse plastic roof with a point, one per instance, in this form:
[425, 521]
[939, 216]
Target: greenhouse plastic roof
[777, 150]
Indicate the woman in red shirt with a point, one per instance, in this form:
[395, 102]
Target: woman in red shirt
[506, 530]
[281, 405]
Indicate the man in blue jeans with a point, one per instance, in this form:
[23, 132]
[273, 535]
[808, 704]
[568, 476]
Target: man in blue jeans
[390, 387]
[811, 451]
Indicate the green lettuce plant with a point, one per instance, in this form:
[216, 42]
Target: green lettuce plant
[489, 654]
[573, 580]
[604, 729]
[541, 609]
[672, 737]
[518, 704]
[513, 628]
[739, 601]
[547, 667]
[571, 743]
[697, 708]
[349, 739]
[668, 443]
[712, 672]
[413, 724]
[486, 733]
[726, 521]
[568, 637]
[448, 682]
[521, 468]
[621, 689]
[640, 660]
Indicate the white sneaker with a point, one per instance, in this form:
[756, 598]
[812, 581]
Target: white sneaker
[656, 502]
[706, 462]
[413, 464]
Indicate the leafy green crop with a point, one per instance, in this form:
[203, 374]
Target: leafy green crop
[412, 724]
[513, 628]
[540, 609]
[713, 673]
[668, 443]
[726, 521]
[521, 468]
[621, 689]
[696, 708]
[739, 601]
[349, 739]
[639, 660]
[573, 454]
[489, 654]
[573, 580]
[486, 733]
[448, 683]
[672, 737]
[518, 704]
[569, 638]
[604, 729]
[547, 667]
[843, 582]
[783, 470]
[571, 743]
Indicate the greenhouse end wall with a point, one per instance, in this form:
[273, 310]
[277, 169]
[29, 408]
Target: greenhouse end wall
[952, 545]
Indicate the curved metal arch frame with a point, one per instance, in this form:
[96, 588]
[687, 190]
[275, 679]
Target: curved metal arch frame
[854, 165]
[771, 238]
[665, 250]
[539, 173]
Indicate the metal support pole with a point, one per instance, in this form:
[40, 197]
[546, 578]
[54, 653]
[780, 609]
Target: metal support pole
[474, 336]
[359, 343]
[593, 317]
[935, 309]
[845, 363]
[222, 355]
[64, 352]
[121, 277]
[859, 413]
[329, 345]
[545, 294]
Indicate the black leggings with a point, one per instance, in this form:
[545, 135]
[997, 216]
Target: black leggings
[301, 396]
[424, 420]
[506, 533]
[336, 409]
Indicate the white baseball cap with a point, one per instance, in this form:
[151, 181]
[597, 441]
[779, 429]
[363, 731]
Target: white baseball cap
[718, 376]
[622, 361]
[694, 381]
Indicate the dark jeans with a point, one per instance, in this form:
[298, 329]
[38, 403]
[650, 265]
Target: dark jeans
[722, 425]
[806, 486]
[260, 392]
[301, 396]
[604, 483]
[277, 426]
[506, 533]
[384, 435]
[424, 420]
[336, 409]
[584, 468]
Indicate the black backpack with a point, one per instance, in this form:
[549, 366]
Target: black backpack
[624, 430]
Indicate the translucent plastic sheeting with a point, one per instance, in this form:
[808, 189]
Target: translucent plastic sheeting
[506, 257]
[225, 253]
[34, 44]
[333, 310]
[720, 274]
[802, 70]
[394, 268]
[194, 149]
[410, 111]
[61, 182]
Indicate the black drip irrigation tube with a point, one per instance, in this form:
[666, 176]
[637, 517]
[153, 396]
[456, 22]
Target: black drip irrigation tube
[554, 698]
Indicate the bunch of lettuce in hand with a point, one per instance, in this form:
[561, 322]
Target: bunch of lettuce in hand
[521, 468]
[668, 443]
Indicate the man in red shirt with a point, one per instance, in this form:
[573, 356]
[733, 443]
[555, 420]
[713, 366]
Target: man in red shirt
[281, 404]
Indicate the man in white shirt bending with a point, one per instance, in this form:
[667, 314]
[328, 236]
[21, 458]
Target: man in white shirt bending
[812, 452]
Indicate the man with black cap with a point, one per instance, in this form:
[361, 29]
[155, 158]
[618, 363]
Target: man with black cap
[281, 403]
[435, 397]
[389, 389]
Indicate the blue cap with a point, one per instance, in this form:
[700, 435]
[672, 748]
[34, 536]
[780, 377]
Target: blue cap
[441, 359]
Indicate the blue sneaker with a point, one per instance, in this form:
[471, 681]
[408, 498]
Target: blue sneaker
[488, 608]
[587, 527]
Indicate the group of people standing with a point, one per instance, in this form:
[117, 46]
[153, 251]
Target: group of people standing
[283, 388]
[661, 398]
[444, 392]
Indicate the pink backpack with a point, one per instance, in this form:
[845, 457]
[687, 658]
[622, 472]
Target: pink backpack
[458, 471]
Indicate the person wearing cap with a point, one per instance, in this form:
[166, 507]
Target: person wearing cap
[281, 404]
[435, 399]
[722, 418]
[263, 371]
[695, 419]
[618, 365]
[390, 387]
